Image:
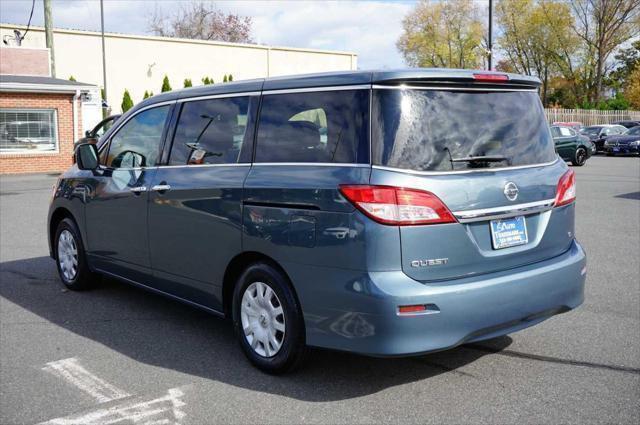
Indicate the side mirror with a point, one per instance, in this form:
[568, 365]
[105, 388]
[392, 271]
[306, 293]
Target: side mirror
[88, 134]
[87, 156]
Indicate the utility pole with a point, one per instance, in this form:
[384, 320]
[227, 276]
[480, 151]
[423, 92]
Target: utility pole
[104, 60]
[48, 30]
[490, 34]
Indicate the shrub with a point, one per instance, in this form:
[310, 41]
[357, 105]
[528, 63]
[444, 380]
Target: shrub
[165, 85]
[72, 78]
[188, 83]
[127, 103]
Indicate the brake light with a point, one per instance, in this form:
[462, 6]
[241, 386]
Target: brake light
[398, 206]
[490, 78]
[566, 191]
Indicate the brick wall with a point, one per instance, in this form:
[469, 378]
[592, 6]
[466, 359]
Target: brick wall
[24, 61]
[41, 162]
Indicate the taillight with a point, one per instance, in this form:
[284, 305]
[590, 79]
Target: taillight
[398, 206]
[566, 191]
[490, 78]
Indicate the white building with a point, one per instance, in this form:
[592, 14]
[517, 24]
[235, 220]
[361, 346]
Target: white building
[138, 63]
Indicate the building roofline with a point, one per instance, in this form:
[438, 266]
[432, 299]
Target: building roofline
[180, 40]
[42, 88]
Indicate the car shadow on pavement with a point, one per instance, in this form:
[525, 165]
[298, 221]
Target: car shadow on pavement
[156, 331]
[630, 195]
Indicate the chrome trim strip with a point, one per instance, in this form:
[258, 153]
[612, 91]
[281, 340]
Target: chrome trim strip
[242, 164]
[469, 216]
[480, 170]
[311, 164]
[218, 96]
[317, 89]
[454, 88]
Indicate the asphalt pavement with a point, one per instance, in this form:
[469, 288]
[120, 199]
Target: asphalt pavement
[117, 354]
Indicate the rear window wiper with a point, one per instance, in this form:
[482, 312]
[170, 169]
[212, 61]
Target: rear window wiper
[486, 158]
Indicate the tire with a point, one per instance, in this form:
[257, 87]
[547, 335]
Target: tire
[579, 157]
[70, 257]
[275, 320]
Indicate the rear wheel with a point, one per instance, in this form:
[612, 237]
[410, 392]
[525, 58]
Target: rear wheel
[268, 320]
[70, 257]
[580, 157]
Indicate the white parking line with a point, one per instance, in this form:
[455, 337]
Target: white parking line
[163, 410]
[72, 371]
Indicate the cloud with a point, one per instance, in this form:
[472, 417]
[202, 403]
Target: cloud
[368, 28]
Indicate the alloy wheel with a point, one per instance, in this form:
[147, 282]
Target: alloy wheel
[581, 156]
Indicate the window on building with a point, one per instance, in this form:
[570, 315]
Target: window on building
[28, 130]
[329, 126]
[210, 132]
[138, 142]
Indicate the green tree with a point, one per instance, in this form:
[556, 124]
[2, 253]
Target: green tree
[224, 80]
[188, 83]
[146, 95]
[127, 103]
[443, 34]
[533, 35]
[207, 80]
[165, 85]
[230, 77]
[72, 78]
[627, 60]
[632, 89]
[603, 26]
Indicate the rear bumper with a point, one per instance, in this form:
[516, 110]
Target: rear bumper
[358, 312]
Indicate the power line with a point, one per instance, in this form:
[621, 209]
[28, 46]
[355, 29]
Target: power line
[33, 4]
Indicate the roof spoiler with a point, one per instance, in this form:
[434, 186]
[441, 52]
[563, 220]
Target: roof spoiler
[457, 77]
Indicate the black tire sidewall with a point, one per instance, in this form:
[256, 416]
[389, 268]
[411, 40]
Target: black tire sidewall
[293, 346]
[82, 277]
[576, 160]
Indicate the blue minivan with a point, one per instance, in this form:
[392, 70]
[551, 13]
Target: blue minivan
[385, 213]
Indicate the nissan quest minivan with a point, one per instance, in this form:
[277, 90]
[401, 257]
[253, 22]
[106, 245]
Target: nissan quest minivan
[384, 213]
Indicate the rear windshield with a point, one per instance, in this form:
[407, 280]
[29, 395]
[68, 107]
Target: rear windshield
[440, 130]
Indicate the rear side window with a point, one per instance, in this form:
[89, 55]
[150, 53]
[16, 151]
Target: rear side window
[315, 127]
[211, 131]
[440, 130]
[565, 132]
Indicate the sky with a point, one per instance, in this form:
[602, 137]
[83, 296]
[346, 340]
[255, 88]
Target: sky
[368, 28]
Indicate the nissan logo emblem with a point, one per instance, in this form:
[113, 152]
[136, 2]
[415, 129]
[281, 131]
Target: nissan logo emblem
[511, 191]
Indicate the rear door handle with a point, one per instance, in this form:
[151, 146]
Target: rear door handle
[160, 188]
[138, 189]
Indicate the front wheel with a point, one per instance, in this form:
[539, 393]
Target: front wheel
[268, 320]
[580, 157]
[70, 257]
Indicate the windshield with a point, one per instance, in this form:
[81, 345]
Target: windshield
[633, 131]
[591, 130]
[441, 130]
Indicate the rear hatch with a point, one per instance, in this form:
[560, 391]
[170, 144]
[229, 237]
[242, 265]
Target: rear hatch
[487, 153]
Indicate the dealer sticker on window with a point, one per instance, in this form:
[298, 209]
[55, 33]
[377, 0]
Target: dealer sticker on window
[508, 232]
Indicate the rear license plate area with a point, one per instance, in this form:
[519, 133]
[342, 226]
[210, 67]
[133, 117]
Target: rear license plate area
[508, 232]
